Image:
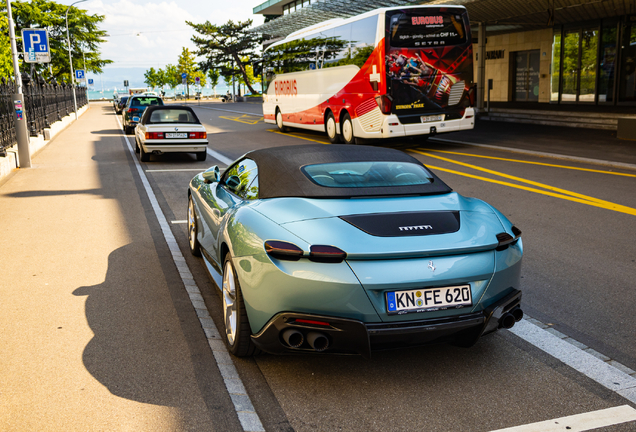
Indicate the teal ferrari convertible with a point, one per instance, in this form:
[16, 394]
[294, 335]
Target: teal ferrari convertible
[350, 249]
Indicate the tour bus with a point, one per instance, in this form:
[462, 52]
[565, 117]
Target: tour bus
[390, 72]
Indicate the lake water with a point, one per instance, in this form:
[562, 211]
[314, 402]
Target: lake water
[221, 89]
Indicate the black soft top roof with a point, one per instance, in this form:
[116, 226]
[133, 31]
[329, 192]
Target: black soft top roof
[280, 175]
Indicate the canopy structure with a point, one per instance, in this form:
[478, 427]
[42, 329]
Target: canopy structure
[498, 15]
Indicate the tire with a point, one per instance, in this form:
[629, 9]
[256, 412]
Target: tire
[201, 156]
[279, 122]
[346, 129]
[331, 129]
[236, 322]
[136, 145]
[193, 229]
[143, 156]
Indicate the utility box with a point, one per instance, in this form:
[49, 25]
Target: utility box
[626, 128]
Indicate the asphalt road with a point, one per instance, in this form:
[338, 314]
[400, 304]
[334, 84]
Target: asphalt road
[147, 346]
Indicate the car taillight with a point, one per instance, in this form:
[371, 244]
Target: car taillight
[198, 135]
[384, 102]
[506, 239]
[326, 254]
[154, 135]
[132, 110]
[283, 250]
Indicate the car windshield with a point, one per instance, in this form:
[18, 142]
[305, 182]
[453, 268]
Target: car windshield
[172, 116]
[146, 101]
[367, 174]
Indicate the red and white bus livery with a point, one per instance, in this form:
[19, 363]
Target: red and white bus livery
[391, 72]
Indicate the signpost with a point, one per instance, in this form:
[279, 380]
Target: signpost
[184, 81]
[79, 74]
[36, 45]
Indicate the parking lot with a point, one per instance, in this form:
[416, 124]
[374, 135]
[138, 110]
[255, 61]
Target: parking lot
[100, 330]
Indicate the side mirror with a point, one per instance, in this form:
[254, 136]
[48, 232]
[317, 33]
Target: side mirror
[233, 182]
[212, 174]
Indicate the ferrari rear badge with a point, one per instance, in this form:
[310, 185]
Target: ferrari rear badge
[431, 266]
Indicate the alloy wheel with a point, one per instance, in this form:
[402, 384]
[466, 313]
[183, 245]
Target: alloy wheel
[229, 303]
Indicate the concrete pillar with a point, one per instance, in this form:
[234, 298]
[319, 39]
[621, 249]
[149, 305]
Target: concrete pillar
[481, 66]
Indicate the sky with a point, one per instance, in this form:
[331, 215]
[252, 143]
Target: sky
[146, 34]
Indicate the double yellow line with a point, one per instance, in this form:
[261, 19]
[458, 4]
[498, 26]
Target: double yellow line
[546, 189]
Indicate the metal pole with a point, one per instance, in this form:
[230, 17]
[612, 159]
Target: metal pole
[70, 57]
[233, 88]
[20, 121]
[481, 66]
[86, 79]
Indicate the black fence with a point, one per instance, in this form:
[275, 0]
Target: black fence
[44, 103]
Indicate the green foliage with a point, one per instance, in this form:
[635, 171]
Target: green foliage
[152, 78]
[6, 62]
[172, 76]
[85, 35]
[214, 76]
[227, 43]
[187, 64]
[201, 76]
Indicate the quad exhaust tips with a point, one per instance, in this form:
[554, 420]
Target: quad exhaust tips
[509, 319]
[293, 338]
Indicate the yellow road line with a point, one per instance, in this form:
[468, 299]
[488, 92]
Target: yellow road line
[606, 205]
[519, 179]
[296, 136]
[245, 118]
[533, 163]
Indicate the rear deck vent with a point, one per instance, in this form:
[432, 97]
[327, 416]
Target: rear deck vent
[406, 224]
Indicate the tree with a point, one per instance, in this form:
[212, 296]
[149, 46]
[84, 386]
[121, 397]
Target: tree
[84, 32]
[188, 66]
[172, 76]
[214, 76]
[225, 44]
[6, 62]
[151, 78]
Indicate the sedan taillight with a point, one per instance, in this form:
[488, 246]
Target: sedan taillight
[198, 135]
[132, 110]
[154, 135]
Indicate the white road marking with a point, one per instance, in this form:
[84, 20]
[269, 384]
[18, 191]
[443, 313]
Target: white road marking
[592, 367]
[219, 157]
[243, 406]
[542, 154]
[580, 422]
[179, 222]
[171, 170]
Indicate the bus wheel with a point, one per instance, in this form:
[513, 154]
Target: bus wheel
[347, 129]
[330, 128]
[279, 122]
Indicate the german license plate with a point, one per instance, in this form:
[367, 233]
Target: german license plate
[428, 300]
[176, 135]
[135, 119]
[433, 118]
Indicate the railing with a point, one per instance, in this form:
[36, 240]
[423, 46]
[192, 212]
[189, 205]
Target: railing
[44, 104]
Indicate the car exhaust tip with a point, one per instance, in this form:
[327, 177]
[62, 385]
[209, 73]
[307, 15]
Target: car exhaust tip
[293, 338]
[507, 321]
[157, 152]
[517, 313]
[318, 341]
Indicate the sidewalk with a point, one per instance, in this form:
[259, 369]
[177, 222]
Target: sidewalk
[96, 331]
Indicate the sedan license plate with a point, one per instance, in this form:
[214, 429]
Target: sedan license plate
[433, 118]
[176, 135]
[428, 300]
[135, 119]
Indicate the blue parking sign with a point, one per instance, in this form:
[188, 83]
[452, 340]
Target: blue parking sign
[79, 74]
[36, 45]
[90, 81]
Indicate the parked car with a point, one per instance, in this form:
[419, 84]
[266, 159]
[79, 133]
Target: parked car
[170, 129]
[350, 249]
[121, 104]
[116, 99]
[134, 109]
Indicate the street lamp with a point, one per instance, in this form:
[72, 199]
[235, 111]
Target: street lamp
[70, 57]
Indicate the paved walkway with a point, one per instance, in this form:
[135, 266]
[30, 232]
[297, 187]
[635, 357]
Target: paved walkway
[96, 329]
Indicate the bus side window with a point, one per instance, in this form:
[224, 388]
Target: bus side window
[363, 34]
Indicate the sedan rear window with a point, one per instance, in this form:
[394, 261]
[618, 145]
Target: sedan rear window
[367, 174]
[172, 116]
[146, 101]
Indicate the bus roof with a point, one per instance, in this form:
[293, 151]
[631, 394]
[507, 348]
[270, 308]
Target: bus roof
[336, 22]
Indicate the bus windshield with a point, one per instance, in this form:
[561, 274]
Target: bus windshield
[429, 62]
